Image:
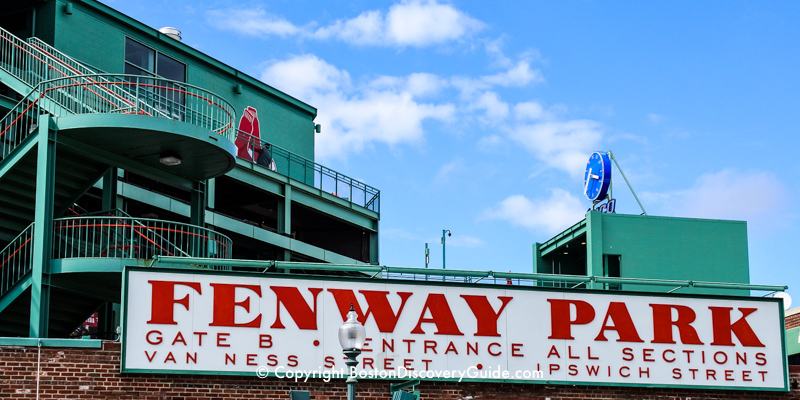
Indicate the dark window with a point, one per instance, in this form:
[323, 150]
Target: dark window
[166, 98]
[611, 269]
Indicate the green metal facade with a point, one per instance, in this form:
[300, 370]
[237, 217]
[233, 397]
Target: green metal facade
[95, 34]
[650, 247]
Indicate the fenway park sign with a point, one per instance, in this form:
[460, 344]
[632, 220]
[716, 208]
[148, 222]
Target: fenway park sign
[181, 322]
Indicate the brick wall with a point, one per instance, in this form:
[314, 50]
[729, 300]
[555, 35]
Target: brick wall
[792, 321]
[69, 373]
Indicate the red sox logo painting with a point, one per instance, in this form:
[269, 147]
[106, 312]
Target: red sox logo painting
[248, 140]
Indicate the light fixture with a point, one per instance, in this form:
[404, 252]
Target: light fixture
[170, 158]
[352, 336]
[583, 243]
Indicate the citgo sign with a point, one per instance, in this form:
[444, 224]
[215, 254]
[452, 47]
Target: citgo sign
[181, 322]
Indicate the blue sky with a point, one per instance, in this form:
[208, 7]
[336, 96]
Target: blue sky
[478, 117]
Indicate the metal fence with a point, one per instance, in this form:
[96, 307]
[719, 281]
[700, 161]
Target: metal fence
[309, 172]
[16, 260]
[125, 237]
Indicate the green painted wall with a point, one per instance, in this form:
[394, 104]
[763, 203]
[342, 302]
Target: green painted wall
[284, 121]
[674, 248]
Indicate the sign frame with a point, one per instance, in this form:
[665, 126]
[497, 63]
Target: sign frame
[124, 312]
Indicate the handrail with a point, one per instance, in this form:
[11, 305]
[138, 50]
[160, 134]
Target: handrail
[467, 276]
[126, 237]
[84, 95]
[309, 172]
[16, 260]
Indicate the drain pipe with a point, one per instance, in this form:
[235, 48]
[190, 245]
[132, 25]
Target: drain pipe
[38, 368]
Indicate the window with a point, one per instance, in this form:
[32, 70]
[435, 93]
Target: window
[611, 266]
[144, 61]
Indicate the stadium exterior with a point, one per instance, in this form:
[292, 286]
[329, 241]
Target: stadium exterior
[135, 170]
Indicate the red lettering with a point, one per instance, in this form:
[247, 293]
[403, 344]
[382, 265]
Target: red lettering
[485, 314]
[761, 359]
[516, 350]
[441, 315]
[573, 369]
[746, 376]
[225, 305]
[676, 373]
[386, 345]
[451, 348]
[251, 359]
[190, 357]
[264, 341]
[628, 354]
[724, 359]
[472, 348]
[711, 374]
[592, 370]
[560, 317]
[723, 328]
[366, 345]
[624, 375]
[367, 362]
[170, 357]
[377, 305]
[623, 324]
[645, 371]
[489, 349]
[272, 360]
[663, 323]
[409, 341]
[387, 363]
[179, 338]
[149, 357]
[163, 302]
[157, 340]
[329, 362]
[296, 305]
[554, 367]
[407, 364]
[664, 356]
[553, 351]
[647, 355]
[430, 344]
[293, 359]
[729, 375]
[569, 353]
[589, 354]
[200, 337]
[222, 338]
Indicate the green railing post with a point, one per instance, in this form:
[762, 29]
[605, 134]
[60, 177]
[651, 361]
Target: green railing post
[42, 236]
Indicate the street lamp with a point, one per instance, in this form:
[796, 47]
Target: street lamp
[444, 239]
[351, 337]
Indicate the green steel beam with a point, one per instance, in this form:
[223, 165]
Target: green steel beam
[563, 238]
[460, 273]
[21, 151]
[12, 294]
[110, 158]
[42, 229]
[199, 201]
[110, 189]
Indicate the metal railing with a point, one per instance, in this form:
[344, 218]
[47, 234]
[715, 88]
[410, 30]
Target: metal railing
[457, 276]
[16, 260]
[309, 172]
[118, 94]
[125, 237]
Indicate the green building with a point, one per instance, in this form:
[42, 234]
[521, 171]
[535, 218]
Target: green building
[121, 143]
[645, 247]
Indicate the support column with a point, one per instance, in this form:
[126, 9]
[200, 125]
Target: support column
[199, 203]
[110, 189]
[594, 245]
[374, 246]
[285, 219]
[42, 229]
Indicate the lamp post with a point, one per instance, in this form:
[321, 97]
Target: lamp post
[444, 239]
[351, 337]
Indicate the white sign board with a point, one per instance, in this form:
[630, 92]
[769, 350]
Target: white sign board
[183, 322]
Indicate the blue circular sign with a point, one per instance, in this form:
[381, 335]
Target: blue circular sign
[598, 176]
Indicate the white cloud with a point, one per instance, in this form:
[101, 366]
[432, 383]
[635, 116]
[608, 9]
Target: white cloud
[757, 197]
[654, 118]
[459, 240]
[252, 22]
[354, 118]
[422, 23]
[416, 23]
[490, 102]
[548, 215]
[520, 74]
[529, 111]
[562, 145]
